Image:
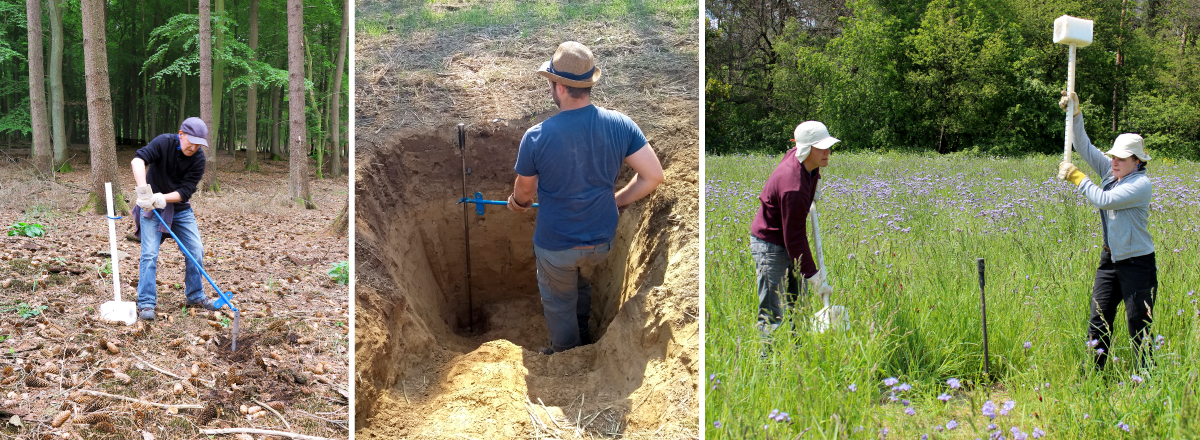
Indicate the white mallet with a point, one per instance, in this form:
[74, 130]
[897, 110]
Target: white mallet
[1076, 32]
[116, 310]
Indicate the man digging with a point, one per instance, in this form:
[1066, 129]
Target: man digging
[777, 235]
[174, 163]
[571, 161]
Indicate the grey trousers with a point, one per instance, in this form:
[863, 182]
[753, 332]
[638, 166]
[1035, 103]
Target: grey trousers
[567, 292]
[774, 272]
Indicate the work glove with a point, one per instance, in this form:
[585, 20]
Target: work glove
[159, 200]
[1066, 101]
[819, 284]
[145, 197]
[517, 207]
[1068, 172]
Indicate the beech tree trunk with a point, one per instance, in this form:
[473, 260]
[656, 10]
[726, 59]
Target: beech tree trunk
[252, 97]
[335, 127]
[276, 115]
[209, 181]
[298, 187]
[58, 129]
[101, 139]
[42, 159]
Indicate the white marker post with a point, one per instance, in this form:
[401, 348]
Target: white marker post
[116, 310]
[1076, 32]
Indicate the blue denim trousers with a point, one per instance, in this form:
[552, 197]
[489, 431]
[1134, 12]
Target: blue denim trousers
[566, 292]
[773, 269]
[184, 227]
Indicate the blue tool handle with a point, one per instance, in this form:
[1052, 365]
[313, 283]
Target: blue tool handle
[224, 298]
[479, 201]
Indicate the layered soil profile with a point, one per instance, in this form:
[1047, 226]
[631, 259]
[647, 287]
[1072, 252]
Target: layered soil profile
[423, 369]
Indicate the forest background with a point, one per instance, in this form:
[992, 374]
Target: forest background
[154, 74]
[947, 75]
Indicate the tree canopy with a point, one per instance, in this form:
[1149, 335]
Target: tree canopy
[948, 75]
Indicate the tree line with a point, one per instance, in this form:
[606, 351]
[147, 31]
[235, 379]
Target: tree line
[948, 75]
[118, 73]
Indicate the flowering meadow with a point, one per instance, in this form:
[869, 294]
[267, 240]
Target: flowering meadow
[901, 235]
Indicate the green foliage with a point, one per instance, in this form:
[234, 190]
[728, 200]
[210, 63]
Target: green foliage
[107, 269]
[340, 272]
[946, 75]
[26, 229]
[25, 311]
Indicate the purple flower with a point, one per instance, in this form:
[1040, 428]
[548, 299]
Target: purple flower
[910, 411]
[903, 387]
[924, 436]
[951, 425]
[1038, 433]
[1008, 406]
[1123, 425]
[773, 413]
[1093, 343]
[989, 409]
[905, 402]
[717, 424]
[891, 381]
[944, 397]
[992, 427]
[853, 388]
[1085, 416]
[712, 376]
[1136, 378]
[1028, 345]
[954, 383]
[1099, 351]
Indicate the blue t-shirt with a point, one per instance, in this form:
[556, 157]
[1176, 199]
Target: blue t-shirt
[576, 155]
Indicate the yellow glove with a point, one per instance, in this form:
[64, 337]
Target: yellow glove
[1068, 172]
[1065, 101]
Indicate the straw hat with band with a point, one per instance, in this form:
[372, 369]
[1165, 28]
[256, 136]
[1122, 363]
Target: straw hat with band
[572, 65]
[1129, 144]
[812, 134]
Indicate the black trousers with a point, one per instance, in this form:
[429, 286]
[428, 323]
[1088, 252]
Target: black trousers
[1134, 281]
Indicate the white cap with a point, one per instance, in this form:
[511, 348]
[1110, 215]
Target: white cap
[812, 134]
[1129, 144]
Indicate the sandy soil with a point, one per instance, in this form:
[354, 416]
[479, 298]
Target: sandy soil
[421, 370]
[293, 344]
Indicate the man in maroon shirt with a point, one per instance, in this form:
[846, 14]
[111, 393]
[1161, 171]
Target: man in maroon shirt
[777, 236]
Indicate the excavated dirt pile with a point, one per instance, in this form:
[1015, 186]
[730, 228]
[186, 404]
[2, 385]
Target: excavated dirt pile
[423, 369]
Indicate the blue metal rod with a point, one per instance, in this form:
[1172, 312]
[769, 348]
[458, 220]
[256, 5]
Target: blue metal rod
[479, 202]
[224, 298]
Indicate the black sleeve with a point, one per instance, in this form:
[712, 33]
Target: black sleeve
[154, 151]
[191, 178]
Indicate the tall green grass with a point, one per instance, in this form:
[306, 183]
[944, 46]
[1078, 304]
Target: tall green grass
[901, 235]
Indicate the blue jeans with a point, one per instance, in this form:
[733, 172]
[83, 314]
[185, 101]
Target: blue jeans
[773, 268]
[566, 292]
[184, 227]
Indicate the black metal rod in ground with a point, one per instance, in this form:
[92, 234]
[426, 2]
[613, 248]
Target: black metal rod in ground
[983, 307]
[462, 142]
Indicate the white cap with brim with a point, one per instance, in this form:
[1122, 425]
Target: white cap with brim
[812, 134]
[1129, 144]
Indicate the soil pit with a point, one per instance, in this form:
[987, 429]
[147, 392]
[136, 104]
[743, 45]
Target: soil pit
[423, 372]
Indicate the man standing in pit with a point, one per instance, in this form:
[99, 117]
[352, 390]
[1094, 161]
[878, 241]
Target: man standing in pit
[172, 163]
[777, 235]
[571, 161]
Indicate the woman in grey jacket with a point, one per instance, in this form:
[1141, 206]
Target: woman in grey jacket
[1127, 270]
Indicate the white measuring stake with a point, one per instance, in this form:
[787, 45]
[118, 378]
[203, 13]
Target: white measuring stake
[1075, 32]
[112, 243]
